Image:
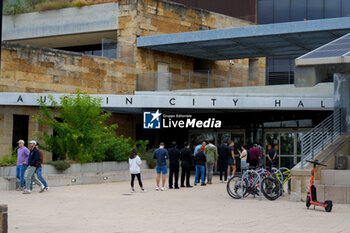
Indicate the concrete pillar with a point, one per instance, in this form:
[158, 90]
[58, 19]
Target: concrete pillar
[3, 218]
[342, 98]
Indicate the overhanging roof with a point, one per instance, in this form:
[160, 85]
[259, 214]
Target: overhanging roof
[335, 52]
[281, 39]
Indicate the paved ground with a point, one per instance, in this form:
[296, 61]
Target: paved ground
[112, 208]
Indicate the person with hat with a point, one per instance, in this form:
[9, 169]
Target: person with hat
[39, 168]
[22, 161]
[30, 172]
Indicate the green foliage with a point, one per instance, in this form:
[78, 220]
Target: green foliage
[52, 5]
[60, 165]
[9, 159]
[14, 7]
[80, 131]
[148, 156]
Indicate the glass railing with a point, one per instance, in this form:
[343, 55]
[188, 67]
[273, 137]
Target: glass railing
[190, 80]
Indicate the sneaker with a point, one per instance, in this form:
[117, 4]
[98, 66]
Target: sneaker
[203, 184]
[143, 190]
[132, 190]
[157, 188]
[195, 184]
[189, 186]
[177, 187]
[42, 189]
[229, 177]
[182, 186]
[170, 187]
[162, 189]
[27, 192]
[221, 181]
[47, 189]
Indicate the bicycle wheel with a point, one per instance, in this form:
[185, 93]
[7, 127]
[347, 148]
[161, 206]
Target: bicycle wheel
[234, 187]
[270, 188]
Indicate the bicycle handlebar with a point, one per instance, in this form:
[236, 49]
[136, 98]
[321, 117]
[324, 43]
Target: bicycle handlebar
[316, 163]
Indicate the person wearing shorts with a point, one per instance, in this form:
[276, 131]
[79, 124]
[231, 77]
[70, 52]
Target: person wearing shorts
[243, 156]
[231, 160]
[161, 155]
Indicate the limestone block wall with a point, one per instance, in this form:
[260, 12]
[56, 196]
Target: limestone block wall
[26, 68]
[154, 17]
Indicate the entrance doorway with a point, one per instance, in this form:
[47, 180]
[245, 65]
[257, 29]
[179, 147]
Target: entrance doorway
[20, 129]
[288, 145]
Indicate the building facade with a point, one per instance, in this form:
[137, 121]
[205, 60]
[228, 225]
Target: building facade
[94, 48]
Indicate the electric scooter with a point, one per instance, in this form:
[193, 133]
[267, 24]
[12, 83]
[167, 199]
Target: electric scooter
[311, 198]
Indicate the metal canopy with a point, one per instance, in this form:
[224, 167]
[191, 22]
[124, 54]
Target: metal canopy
[335, 52]
[281, 39]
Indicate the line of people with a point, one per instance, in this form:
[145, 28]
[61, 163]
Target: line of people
[29, 167]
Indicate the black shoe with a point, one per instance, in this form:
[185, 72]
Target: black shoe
[203, 184]
[182, 186]
[177, 187]
[195, 184]
[189, 186]
[170, 187]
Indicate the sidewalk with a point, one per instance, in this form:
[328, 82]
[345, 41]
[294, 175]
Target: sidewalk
[110, 207]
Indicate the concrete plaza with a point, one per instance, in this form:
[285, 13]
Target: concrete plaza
[110, 207]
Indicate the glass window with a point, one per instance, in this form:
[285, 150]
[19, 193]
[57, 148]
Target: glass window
[287, 143]
[265, 11]
[332, 8]
[345, 6]
[315, 9]
[299, 137]
[297, 10]
[281, 11]
[272, 140]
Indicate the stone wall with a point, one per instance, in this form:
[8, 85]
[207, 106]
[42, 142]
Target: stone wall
[3, 218]
[155, 17]
[27, 68]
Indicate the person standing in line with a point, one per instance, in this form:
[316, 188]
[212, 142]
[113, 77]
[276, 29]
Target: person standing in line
[211, 152]
[254, 155]
[30, 172]
[223, 160]
[200, 160]
[186, 163]
[174, 157]
[39, 169]
[135, 170]
[204, 143]
[231, 161]
[161, 155]
[243, 156]
[21, 165]
[261, 162]
[271, 158]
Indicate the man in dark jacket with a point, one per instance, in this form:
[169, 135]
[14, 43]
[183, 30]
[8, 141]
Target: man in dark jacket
[30, 172]
[223, 151]
[174, 157]
[186, 158]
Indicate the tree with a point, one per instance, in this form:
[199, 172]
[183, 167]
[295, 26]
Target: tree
[80, 131]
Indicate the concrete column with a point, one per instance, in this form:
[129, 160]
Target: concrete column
[3, 218]
[342, 99]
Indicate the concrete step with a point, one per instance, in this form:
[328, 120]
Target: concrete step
[335, 177]
[339, 194]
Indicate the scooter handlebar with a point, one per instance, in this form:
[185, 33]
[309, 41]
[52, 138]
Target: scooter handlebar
[316, 163]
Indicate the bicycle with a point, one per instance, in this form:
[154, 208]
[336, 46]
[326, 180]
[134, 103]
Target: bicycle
[283, 175]
[239, 186]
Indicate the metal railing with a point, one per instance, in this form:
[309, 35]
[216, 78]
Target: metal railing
[191, 80]
[317, 139]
